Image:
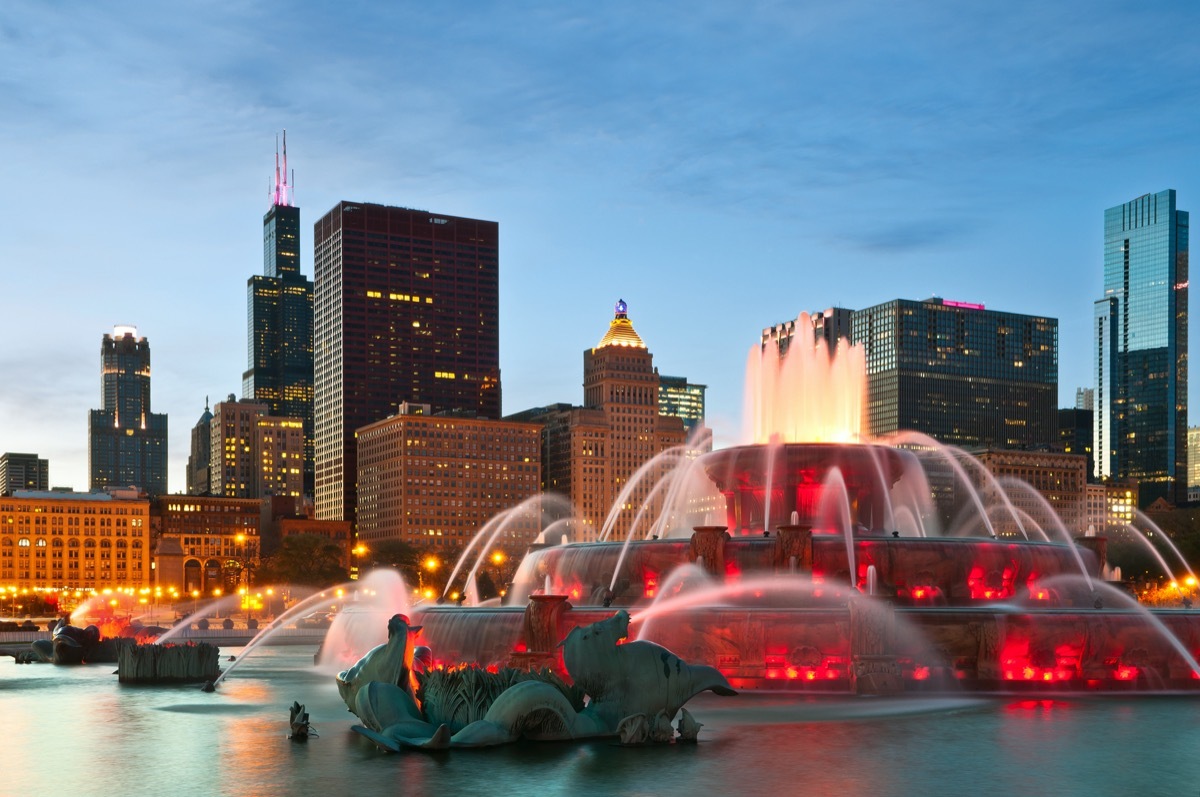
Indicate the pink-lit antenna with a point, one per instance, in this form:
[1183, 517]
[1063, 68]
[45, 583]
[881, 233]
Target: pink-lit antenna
[282, 193]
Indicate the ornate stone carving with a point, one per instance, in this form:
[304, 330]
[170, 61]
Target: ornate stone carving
[708, 546]
[623, 682]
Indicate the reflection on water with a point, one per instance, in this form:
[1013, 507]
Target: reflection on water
[76, 731]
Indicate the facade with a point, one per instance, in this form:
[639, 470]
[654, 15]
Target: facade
[1141, 348]
[682, 399]
[1193, 447]
[279, 348]
[198, 477]
[407, 310]
[1085, 398]
[1059, 481]
[590, 453]
[127, 443]
[254, 454]
[23, 472]
[833, 325]
[205, 546]
[967, 376]
[73, 540]
[1096, 496]
[434, 480]
[1121, 509]
[1075, 435]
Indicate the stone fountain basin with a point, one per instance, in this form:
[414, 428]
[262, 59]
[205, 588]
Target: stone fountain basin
[988, 648]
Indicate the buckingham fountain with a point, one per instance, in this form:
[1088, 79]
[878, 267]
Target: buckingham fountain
[823, 566]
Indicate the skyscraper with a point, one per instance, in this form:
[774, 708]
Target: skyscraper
[407, 309]
[280, 319]
[1141, 348]
[683, 399]
[254, 454]
[590, 453]
[127, 443]
[965, 375]
[199, 480]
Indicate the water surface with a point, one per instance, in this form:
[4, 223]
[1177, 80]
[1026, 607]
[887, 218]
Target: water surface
[76, 731]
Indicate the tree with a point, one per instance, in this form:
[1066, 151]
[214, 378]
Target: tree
[308, 559]
[397, 555]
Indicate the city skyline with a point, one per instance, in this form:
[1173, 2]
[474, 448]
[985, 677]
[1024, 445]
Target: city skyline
[721, 170]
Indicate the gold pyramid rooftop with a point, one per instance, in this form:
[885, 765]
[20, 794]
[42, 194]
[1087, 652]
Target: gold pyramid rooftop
[620, 330]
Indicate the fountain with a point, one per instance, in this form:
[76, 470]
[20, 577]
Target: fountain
[823, 566]
[631, 690]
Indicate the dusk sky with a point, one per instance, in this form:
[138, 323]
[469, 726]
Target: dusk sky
[720, 166]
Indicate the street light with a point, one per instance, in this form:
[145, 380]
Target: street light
[498, 560]
[431, 564]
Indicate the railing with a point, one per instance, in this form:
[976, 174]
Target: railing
[281, 636]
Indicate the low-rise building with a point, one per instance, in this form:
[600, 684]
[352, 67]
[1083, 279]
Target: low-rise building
[205, 545]
[1059, 482]
[82, 541]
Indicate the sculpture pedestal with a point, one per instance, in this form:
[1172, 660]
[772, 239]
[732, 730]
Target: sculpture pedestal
[1099, 547]
[543, 632]
[167, 664]
[793, 549]
[873, 666]
[875, 675]
[708, 548]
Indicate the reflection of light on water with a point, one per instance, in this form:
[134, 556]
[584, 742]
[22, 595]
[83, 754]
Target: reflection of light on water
[80, 729]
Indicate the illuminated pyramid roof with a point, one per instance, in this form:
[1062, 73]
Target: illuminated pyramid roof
[620, 331]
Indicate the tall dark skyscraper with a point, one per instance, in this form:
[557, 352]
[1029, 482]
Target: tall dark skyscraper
[127, 443]
[965, 375]
[279, 346]
[407, 309]
[1141, 348]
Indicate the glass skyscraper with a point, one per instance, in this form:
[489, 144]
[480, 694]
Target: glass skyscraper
[279, 347]
[127, 444]
[683, 399]
[1141, 348]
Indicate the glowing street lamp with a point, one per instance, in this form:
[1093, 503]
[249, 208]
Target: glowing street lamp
[430, 563]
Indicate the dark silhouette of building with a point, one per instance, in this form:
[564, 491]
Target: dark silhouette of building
[199, 480]
[127, 443]
[407, 310]
[23, 472]
[1075, 435]
[280, 319]
[1141, 349]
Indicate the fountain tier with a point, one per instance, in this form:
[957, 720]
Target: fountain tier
[809, 585]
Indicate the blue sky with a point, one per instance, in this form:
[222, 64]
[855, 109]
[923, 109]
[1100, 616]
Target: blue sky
[720, 166]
